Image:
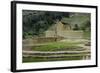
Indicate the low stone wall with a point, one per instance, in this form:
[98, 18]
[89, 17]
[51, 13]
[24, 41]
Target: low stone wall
[70, 34]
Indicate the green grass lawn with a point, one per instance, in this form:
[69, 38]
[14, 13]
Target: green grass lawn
[87, 34]
[66, 57]
[57, 46]
[44, 59]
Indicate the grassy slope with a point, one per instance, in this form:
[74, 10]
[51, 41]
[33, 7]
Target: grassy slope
[41, 59]
[87, 34]
[57, 46]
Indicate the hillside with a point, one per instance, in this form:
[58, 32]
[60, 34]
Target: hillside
[35, 23]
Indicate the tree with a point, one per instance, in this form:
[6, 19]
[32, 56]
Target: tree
[39, 21]
[86, 25]
[76, 27]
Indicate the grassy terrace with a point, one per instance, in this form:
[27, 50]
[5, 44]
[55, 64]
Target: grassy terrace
[45, 59]
[52, 58]
[58, 46]
[48, 58]
[87, 34]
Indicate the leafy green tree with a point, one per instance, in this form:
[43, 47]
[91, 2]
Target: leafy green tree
[86, 26]
[36, 22]
[76, 27]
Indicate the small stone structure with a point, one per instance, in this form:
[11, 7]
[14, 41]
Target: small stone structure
[62, 30]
